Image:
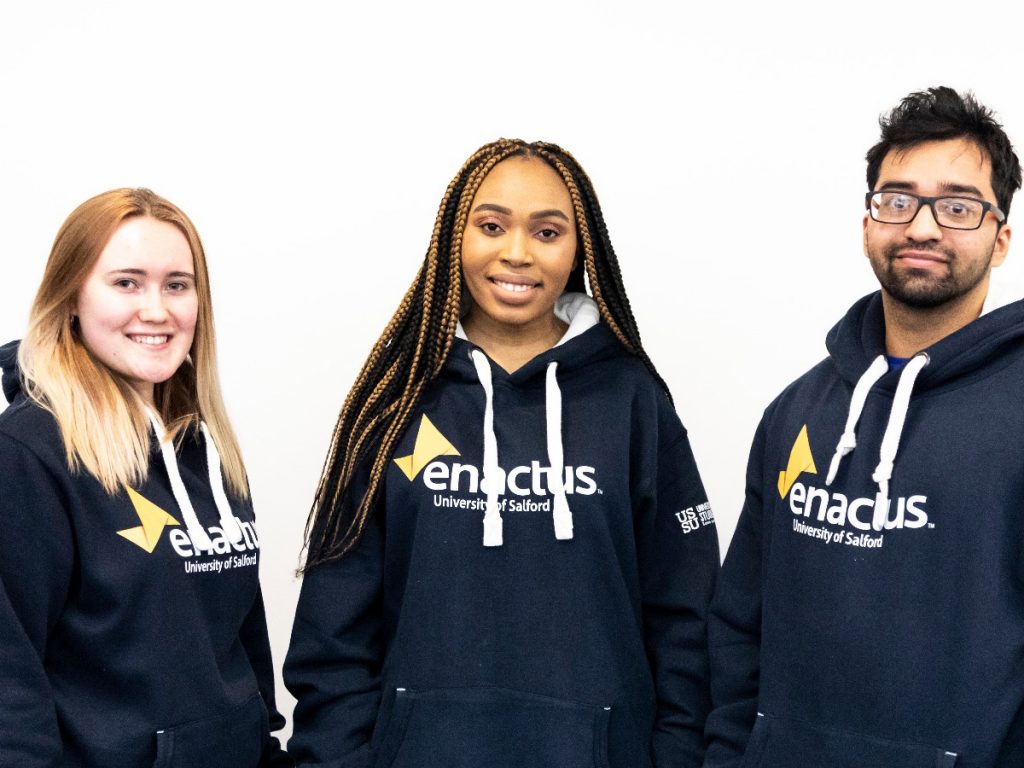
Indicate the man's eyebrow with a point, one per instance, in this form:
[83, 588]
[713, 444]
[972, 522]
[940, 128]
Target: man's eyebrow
[961, 189]
[898, 185]
[549, 213]
[946, 187]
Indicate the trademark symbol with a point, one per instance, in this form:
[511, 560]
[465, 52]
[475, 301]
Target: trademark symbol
[931, 525]
[600, 492]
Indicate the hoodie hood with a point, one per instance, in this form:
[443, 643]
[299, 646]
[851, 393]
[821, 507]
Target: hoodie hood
[859, 338]
[585, 341]
[857, 347]
[11, 373]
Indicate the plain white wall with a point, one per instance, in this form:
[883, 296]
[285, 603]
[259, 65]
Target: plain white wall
[311, 144]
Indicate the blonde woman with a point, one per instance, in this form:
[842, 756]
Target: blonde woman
[132, 630]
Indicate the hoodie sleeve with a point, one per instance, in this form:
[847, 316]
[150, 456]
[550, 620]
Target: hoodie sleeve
[256, 642]
[735, 628]
[678, 555]
[36, 560]
[334, 659]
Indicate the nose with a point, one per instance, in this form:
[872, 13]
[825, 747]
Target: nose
[517, 249]
[152, 308]
[923, 226]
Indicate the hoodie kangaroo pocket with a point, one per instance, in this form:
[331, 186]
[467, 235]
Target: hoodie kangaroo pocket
[492, 728]
[782, 742]
[234, 739]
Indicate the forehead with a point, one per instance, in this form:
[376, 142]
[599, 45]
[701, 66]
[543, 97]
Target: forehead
[934, 167]
[524, 183]
[145, 242]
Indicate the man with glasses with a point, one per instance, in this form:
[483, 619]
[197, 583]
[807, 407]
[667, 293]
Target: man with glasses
[870, 611]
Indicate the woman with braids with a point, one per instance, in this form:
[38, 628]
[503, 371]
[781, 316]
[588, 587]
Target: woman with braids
[132, 631]
[510, 554]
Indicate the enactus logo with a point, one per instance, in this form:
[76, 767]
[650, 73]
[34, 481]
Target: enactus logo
[533, 479]
[846, 520]
[153, 520]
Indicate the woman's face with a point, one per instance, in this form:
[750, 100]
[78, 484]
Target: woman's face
[137, 308]
[519, 245]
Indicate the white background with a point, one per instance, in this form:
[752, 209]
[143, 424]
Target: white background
[311, 144]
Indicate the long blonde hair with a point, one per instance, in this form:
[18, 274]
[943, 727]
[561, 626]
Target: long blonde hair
[101, 419]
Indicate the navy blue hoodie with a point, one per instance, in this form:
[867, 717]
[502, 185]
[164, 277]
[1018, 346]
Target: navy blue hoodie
[121, 643]
[871, 606]
[576, 636]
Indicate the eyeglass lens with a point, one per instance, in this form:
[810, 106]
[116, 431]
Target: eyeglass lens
[900, 207]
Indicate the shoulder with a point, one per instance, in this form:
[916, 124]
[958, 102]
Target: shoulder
[27, 426]
[626, 383]
[806, 387]
[605, 361]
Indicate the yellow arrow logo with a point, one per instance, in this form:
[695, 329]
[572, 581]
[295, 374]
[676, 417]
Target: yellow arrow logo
[153, 520]
[800, 461]
[430, 444]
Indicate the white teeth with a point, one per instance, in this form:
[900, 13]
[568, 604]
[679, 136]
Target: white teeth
[149, 339]
[514, 287]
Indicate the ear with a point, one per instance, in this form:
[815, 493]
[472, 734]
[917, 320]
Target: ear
[864, 223]
[1002, 245]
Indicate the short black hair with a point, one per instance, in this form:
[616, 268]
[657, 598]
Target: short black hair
[939, 114]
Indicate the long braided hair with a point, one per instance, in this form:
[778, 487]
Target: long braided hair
[415, 344]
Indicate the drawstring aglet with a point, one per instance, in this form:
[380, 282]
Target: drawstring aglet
[563, 518]
[492, 526]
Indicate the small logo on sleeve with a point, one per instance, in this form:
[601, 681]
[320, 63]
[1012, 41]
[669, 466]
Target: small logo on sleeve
[694, 518]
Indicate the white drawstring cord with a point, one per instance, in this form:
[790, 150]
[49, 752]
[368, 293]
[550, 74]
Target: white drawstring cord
[492, 471]
[561, 514]
[196, 532]
[228, 523]
[848, 440]
[891, 438]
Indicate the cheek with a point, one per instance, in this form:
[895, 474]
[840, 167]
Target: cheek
[96, 316]
[188, 317]
[474, 254]
[568, 260]
[473, 263]
[875, 239]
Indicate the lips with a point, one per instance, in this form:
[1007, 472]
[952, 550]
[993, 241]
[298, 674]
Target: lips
[916, 255]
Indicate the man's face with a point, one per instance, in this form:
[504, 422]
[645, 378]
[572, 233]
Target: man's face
[921, 264]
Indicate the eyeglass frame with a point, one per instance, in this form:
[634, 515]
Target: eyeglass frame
[922, 200]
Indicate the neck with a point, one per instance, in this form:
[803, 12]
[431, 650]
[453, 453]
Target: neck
[512, 346]
[908, 329]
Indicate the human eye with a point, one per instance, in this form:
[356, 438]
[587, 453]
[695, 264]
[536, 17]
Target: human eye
[490, 228]
[897, 201]
[548, 233]
[959, 208]
[125, 283]
[178, 286]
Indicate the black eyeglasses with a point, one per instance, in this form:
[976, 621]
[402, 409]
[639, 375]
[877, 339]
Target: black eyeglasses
[897, 207]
